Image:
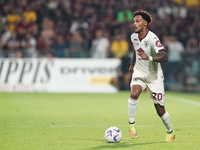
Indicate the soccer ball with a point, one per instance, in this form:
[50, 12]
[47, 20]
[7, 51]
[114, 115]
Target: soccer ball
[113, 135]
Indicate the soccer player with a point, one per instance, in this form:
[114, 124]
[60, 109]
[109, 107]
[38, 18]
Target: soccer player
[147, 72]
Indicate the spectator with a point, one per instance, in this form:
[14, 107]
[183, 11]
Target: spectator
[61, 27]
[110, 17]
[124, 15]
[183, 37]
[87, 44]
[179, 10]
[24, 27]
[175, 51]
[192, 46]
[191, 62]
[30, 15]
[100, 46]
[88, 14]
[164, 10]
[60, 47]
[2, 25]
[42, 46]
[13, 45]
[79, 25]
[13, 19]
[6, 35]
[46, 39]
[29, 45]
[2, 55]
[35, 30]
[119, 46]
[47, 32]
[189, 3]
[52, 4]
[57, 15]
[76, 45]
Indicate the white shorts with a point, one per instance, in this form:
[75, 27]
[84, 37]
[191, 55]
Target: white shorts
[156, 87]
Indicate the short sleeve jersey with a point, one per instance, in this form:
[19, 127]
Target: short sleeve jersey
[150, 45]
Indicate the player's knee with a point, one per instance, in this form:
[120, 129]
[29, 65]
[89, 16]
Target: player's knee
[160, 112]
[135, 91]
[160, 109]
[135, 95]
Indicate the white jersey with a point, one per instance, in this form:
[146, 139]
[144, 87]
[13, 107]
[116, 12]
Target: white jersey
[150, 45]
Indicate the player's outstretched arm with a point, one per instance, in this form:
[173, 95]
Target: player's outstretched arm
[161, 57]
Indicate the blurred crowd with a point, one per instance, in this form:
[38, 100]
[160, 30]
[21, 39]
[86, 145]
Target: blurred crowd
[102, 29]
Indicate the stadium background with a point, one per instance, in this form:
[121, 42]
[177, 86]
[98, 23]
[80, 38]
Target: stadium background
[77, 28]
[68, 121]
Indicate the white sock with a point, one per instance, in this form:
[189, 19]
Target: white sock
[132, 108]
[167, 122]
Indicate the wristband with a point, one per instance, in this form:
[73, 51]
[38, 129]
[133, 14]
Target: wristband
[150, 58]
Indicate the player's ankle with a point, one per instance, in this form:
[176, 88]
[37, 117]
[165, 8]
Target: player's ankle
[131, 122]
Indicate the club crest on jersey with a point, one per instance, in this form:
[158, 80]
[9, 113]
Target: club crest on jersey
[146, 44]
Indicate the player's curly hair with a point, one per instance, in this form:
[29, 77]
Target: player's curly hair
[145, 15]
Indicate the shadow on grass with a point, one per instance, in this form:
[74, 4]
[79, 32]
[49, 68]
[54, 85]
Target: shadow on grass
[122, 145]
[87, 139]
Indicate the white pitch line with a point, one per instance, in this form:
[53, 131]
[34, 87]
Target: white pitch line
[92, 126]
[98, 126]
[77, 126]
[184, 100]
[21, 126]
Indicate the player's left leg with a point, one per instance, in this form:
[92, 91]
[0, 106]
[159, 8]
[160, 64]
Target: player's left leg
[158, 96]
[166, 119]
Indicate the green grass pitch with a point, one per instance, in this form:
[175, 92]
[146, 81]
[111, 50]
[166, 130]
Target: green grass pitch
[38, 121]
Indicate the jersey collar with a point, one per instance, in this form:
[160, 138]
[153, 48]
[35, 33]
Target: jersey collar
[143, 37]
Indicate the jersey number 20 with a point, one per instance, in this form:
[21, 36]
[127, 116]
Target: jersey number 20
[157, 96]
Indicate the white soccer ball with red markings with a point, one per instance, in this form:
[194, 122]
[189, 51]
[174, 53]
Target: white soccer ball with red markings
[113, 135]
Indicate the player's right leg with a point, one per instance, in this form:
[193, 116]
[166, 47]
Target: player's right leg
[137, 86]
[132, 108]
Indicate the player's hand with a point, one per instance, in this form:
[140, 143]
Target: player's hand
[143, 56]
[131, 69]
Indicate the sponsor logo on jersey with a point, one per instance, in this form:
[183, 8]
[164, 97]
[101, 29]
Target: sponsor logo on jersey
[135, 44]
[158, 44]
[135, 39]
[146, 44]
